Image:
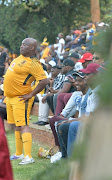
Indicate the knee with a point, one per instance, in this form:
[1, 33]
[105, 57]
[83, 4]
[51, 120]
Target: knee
[60, 132]
[74, 126]
[60, 97]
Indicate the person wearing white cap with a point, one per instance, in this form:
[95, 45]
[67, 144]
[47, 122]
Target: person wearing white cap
[49, 66]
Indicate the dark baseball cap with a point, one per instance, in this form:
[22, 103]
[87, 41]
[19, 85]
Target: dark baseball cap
[75, 55]
[68, 62]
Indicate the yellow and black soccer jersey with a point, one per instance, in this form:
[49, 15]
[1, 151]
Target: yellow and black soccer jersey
[20, 74]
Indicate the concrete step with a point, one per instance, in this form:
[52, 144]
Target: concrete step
[41, 134]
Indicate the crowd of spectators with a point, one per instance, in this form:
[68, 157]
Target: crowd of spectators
[71, 94]
[71, 65]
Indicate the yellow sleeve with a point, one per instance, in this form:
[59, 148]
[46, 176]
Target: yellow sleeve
[37, 71]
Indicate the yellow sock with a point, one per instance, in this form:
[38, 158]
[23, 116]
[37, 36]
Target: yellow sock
[19, 143]
[27, 143]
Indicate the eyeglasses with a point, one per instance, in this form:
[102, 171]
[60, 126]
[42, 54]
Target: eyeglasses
[95, 58]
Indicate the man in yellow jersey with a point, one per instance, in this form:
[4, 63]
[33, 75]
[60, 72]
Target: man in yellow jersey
[17, 88]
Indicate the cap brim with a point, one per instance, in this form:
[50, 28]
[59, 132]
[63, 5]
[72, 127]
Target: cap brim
[89, 59]
[81, 60]
[79, 74]
[85, 71]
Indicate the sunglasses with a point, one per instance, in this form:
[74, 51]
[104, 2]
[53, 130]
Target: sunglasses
[95, 58]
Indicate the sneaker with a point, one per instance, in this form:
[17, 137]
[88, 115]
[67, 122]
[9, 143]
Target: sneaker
[56, 157]
[48, 126]
[14, 157]
[26, 160]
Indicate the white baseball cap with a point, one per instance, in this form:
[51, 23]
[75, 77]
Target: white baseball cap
[52, 63]
[42, 61]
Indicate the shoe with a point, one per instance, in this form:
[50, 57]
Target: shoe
[48, 126]
[14, 157]
[41, 123]
[35, 122]
[56, 157]
[27, 160]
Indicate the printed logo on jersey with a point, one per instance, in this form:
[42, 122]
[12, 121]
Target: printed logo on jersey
[13, 64]
[22, 63]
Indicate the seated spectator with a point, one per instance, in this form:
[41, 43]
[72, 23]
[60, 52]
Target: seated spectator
[89, 27]
[92, 104]
[67, 69]
[63, 128]
[52, 56]
[63, 57]
[75, 57]
[89, 40]
[67, 43]
[49, 65]
[72, 34]
[83, 35]
[61, 117]
[86, 59]
[56, 82]
[75, 42]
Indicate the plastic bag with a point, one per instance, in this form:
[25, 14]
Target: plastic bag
[45, 153]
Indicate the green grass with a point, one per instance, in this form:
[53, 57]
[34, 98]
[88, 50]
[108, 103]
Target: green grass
[26, 171]
[33, 118]
[42, 169]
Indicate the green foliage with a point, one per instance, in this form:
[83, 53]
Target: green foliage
[57, 171]
[106, 10]
[104, 41]
[104, 48]
[40, 18]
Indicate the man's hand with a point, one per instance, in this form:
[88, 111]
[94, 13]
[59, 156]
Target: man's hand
[51, 90]
[44, 99]
[25, 97]
[51, 80]
[66, 121]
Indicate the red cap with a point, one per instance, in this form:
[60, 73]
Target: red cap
[86, 57]
[77, 31]
[91, 68]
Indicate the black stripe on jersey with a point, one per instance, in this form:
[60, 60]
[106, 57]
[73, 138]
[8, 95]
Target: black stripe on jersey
[26, 108]
[28, 77]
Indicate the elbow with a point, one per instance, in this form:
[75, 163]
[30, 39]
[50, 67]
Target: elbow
[46, 81]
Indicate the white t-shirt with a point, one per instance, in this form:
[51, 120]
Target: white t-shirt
[61, 41]
[78, 66]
